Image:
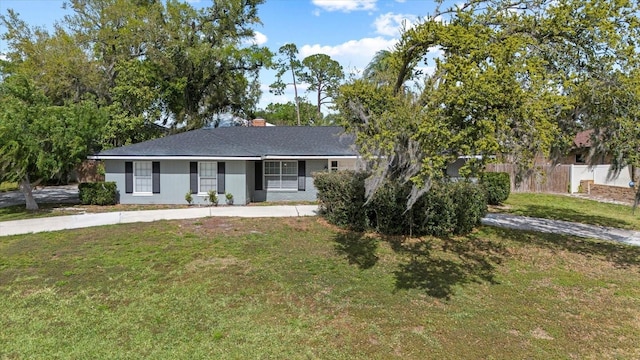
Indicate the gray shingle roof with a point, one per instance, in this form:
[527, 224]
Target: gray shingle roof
[244, 142]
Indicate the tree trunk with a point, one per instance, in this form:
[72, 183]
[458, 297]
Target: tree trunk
[27, 190]
[295, 90]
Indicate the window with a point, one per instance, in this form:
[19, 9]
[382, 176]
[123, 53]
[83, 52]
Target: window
[281, 175]
[142, 177]
[334, 165]
[207, 176]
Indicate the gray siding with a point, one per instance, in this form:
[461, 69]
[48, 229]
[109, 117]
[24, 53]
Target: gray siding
[239, 181]
[174, 183]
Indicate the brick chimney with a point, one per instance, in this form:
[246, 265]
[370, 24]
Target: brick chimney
[258, 122]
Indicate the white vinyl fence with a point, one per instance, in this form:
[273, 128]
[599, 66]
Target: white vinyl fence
[599, 174]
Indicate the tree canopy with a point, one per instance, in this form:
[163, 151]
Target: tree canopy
[514, 80]
[132, 64]
[145, 60]
[38, 139]
[287, 114]
[323, 75]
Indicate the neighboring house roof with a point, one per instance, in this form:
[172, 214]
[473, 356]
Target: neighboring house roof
[583, 139]
[243, 142]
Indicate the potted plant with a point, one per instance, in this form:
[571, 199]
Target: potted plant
[213, 197]
[189, 197]
[229, 197]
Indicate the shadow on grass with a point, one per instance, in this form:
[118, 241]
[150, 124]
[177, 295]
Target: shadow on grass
[435, 265]
[554, 213]
[358, 248]
[620, 255]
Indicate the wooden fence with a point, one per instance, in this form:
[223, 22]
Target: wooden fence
[543, 179]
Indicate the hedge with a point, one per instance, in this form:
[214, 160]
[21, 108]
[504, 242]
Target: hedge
[497, 185]
[98, 193]
[447, 208]
[341, 197]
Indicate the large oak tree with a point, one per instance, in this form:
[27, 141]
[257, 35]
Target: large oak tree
[515, 79]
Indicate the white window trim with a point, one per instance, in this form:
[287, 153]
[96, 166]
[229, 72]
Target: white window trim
[279, 189]
[331, 167]
[135, 187]
[199, 177]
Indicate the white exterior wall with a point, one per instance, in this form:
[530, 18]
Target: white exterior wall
[598, 174]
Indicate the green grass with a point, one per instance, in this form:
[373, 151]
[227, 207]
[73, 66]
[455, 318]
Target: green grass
[296, 288]
[562, 207]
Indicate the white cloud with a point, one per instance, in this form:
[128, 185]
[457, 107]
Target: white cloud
[391, 24]
[351, 54]
[259, 38]
[345, 5]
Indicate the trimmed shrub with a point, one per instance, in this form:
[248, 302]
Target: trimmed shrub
[447, 208]
[341, 198]
[98, 193]
[387, 210]
[435, 213]
[470, 206]
[497, 185]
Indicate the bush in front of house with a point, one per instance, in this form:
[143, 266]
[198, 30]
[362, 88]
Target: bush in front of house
[386, 211]
[497, 185]
[447, 208]
[341, 198]
[470, 204]
[98, 193]
[435, 212]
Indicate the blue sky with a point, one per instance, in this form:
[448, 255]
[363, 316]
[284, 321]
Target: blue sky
[350, 31]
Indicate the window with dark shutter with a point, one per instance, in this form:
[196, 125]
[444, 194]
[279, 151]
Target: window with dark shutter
[302, 179]
[193, 179]
[128, 177]
[221, 172]
[156, 177]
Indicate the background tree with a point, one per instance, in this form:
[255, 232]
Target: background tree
[138, 62]
[286, 114]
[323, 75]
[146, 61]
[39, 140]
[288, 62]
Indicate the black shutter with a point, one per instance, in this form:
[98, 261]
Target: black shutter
[302, 171]
[258, 175]
[155, 178]
[221, 171]
[193, 180]
[128, 177]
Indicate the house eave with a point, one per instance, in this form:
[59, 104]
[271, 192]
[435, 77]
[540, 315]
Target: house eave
[192, 158]
[308, 157]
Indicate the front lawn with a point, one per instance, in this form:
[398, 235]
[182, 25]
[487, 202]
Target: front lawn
[569, 208]
[225, 288]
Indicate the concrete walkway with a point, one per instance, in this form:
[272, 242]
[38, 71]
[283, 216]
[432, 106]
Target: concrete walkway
[56, 223]
[629, 237]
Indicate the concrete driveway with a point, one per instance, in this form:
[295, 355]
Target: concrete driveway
[526, 223]
[48, 194]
